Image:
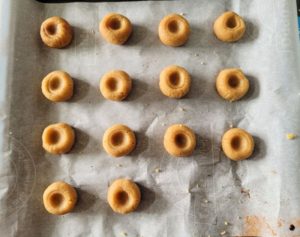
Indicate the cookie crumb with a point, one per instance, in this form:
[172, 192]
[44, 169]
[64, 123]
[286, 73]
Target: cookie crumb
[123, 234]
[196, 54]
[182, 14]
[157, 170]
[119, 165]
[181, 109]
[223, 232]
[226, 223]
[197, 186]
[163, 124]
[203, 63]
[292, 227]
[245, 191]
[205, 201]
[291, 136]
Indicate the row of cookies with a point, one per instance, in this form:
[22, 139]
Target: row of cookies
[123, 197]
[174, 82]
[174, 30]
[119, 140]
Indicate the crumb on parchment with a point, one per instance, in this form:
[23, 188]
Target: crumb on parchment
[291, 136]
[157, 170]
[246, 191]
[123, 233]
[223, 232]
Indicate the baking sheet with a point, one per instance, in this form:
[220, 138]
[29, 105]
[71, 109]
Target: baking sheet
[196, 196]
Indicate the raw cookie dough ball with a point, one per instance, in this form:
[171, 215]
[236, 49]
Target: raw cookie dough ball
[237, 144]
[115, 85]
[123, 196]
[119, 140]
[115, 28]
[174, 81]
[173, 30]
[56, 32]
[232, 84]
[57, 86]
[58, 138]
[59, 198]
[179, 140]
[229, 27]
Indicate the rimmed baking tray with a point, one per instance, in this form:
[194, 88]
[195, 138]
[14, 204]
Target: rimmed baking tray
[203, 195]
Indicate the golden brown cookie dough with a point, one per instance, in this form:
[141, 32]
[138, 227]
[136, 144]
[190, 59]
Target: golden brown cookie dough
[237, 144]
[58, 138]
[56, 32]
[59, 198]
[115, 85]
[232, 84]
[123, 196]
[179, 140]
[115, 28]
[229, 27]
[57, 86]
[119, 140]
[173, 30]
[174, 81]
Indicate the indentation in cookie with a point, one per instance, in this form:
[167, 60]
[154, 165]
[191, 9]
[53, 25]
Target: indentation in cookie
[233, 81]
[56, 199]
[122, 197]
[114, 24]
[51, 29]
[117, 139]
[181, 140]
[231, 22]
[173, 26]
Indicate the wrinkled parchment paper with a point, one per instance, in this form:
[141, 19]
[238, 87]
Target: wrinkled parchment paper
[203, 195]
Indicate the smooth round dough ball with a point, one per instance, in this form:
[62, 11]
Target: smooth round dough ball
[232, 84]
[174, 30]
[57, 86]
[179, 140]
[58, 138]
[115, 85]
[174, 81]
[56, 32]
[229, 27]
[59, 198]
[119, 140]
[123, 196]
[115, 28]
[237, 144]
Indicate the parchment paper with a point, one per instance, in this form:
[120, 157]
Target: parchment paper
[203, 195]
